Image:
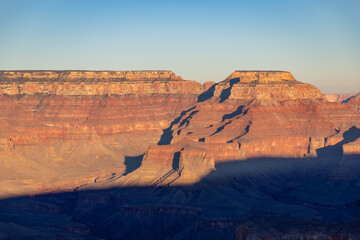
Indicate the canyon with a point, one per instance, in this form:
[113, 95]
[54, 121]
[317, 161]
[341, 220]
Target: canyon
[62, 129]
[146, 154]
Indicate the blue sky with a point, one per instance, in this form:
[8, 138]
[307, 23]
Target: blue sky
[317, 40]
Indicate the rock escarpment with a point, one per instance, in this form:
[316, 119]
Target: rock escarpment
[91, 83]
[250, 114]
[257, 155]
[100, 121]
[60, 129]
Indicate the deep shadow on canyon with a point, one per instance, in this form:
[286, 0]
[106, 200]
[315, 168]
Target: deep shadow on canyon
[259, 198]
[278, 197]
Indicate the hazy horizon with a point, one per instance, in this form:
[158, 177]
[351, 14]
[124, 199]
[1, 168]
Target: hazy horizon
[318, 42]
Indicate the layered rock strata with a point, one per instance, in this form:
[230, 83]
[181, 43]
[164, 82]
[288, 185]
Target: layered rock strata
[250, 114]
[101, 124]
[258, 155]
[70, 127]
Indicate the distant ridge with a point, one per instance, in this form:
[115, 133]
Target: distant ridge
[84, 75]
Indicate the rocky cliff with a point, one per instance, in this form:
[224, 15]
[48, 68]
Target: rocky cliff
[85, 76]
[147, 155]
[70, 127]
[250, 114]
[91, 83]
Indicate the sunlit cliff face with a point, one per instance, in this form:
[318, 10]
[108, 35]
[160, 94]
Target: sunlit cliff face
[63, 129]
[60, 129]
[101, 153]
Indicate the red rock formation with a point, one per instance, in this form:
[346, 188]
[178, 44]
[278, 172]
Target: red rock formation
[237, 145]
[70, 127]
[256, 114]
[78, 126]
[94, 83]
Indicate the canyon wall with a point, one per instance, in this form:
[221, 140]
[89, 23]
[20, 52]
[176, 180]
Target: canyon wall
[94, 83]
[249, 115]
[70, 127]
[64, 129]
[145, 154]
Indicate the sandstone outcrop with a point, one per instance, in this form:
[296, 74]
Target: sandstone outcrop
[249, 115]
[147, 155]
[82, 123]
[84, 119]
[91, 83]
[85, 76]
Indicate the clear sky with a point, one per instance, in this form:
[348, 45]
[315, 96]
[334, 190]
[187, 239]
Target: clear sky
[317, 40]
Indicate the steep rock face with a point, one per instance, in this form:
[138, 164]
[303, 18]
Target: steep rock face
[94, 83]
[87, 76]
[264, 85]
[259, 155]
[82, 123]
[273, 111]
[252, 115]
[91, 126]
[262, 77]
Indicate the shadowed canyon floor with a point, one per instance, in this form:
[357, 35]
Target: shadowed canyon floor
[146, 154]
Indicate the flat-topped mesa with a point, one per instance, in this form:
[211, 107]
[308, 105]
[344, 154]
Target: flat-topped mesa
[262, 77]
[264, 85]
[86, 76]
